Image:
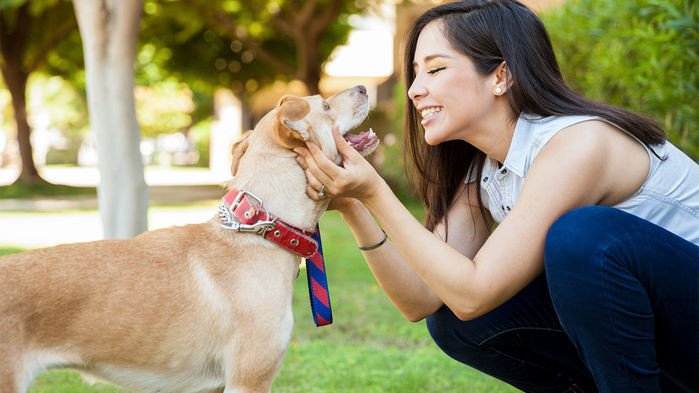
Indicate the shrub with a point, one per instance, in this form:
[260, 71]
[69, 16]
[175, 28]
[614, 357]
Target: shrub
[641, 55]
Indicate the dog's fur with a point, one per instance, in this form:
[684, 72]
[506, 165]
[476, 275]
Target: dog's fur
[195, 308]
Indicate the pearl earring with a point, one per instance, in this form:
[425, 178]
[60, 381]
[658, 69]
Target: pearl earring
[498, 90]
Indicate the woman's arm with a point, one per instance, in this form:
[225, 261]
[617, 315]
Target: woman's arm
[572, 170]
[410, 295]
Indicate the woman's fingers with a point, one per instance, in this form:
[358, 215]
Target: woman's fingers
[314, 186]
[352, 179]
[315, 193]
[343, 147]
[318, 181]
[322, 162]
[312, 164]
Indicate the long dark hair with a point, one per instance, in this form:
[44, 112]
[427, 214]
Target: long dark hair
[490, 32]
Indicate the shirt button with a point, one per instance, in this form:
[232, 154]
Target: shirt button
[485, 179]
[504, 171]
[507, 208]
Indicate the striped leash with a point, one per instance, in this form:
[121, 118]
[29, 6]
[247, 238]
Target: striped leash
[318, 285]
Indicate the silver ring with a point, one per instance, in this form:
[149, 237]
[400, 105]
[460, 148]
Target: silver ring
[321, 192]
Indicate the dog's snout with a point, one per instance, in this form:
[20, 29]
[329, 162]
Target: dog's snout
[361, 89]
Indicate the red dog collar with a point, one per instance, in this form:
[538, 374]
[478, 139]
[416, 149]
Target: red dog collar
[242, 211]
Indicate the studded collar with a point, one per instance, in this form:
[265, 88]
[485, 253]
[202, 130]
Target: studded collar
[242, 211]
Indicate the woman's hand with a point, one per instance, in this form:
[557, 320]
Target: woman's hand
[356, 178]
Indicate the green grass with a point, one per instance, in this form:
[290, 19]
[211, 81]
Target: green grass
[28, 191]
[369, 347]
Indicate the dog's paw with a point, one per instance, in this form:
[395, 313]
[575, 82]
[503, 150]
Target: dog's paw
[364, 142]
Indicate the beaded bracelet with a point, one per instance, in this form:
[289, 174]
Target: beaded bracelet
[377, 245]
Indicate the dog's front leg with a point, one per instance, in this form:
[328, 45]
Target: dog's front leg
[12, 379]
[257, 354]
[255, 376]
[8, 376]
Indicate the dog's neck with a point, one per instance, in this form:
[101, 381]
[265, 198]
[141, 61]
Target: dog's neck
[270, 172]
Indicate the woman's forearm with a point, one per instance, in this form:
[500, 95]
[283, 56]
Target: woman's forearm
[405, 289]
[437, 265]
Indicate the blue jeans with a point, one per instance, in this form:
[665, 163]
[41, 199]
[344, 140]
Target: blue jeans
[616, 311]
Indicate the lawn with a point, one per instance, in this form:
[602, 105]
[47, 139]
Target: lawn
[22, 191]
[369, 347]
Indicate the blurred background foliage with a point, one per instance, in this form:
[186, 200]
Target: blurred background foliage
[642, 55]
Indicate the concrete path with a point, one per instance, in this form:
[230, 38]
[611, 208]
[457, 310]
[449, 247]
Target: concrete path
[177, 197]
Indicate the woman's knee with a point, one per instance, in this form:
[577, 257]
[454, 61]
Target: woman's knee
[452, 335]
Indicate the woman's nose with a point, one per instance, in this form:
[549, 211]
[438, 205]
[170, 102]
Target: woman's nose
[417, 90]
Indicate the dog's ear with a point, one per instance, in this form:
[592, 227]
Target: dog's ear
[238, 151]
[290, 128]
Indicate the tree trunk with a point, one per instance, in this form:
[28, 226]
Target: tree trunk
[109, 31]
[17, 85]
[13, 43]
[309, 65]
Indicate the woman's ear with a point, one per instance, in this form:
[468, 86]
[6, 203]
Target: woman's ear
[291, 129]
[502, 79]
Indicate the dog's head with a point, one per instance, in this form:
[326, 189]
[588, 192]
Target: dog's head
[302, 119]
[296, 120]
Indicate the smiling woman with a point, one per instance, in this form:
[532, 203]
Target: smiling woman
[587, 251]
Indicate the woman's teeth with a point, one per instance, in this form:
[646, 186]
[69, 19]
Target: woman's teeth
[430, 111]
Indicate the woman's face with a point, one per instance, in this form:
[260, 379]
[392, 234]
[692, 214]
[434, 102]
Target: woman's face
[447, 92]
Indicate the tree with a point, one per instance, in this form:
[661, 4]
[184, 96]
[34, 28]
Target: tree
[109, 29]
[29, 32]
[247, 44]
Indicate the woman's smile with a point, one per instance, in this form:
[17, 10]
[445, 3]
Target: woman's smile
[430, 113]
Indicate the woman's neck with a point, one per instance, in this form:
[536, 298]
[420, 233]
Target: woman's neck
[493, 135]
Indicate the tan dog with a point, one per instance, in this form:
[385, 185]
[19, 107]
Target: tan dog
[197, 308]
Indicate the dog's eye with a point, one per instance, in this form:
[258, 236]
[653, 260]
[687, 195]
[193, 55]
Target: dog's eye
[326, 106]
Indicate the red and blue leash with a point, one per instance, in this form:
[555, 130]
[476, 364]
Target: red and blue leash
[318, 285]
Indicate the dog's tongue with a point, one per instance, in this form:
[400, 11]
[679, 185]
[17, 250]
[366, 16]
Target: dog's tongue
[364, 142]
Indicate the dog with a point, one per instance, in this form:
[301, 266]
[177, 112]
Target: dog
[196, 308]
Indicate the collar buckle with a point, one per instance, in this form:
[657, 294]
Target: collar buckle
[229, 221]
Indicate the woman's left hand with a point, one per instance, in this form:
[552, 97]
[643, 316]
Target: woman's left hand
[356, 178]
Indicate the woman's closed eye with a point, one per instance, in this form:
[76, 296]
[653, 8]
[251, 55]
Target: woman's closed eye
[435, 70]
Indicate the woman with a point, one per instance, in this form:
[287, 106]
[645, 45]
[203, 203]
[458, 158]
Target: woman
[590, 279]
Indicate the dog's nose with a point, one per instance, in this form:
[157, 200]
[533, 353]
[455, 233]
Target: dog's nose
[361, 89]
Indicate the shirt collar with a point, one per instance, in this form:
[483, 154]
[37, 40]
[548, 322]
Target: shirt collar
[516, 158]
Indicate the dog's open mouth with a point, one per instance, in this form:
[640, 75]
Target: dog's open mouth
[364, 142]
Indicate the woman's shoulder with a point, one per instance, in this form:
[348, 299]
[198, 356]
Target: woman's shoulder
[532, 133]
[547, 126]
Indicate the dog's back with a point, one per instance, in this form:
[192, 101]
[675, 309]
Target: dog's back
[100, 306]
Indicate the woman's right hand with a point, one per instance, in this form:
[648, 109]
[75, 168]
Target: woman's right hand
[356, 178]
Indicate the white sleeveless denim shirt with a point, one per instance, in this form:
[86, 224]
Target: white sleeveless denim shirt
[669, 197]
